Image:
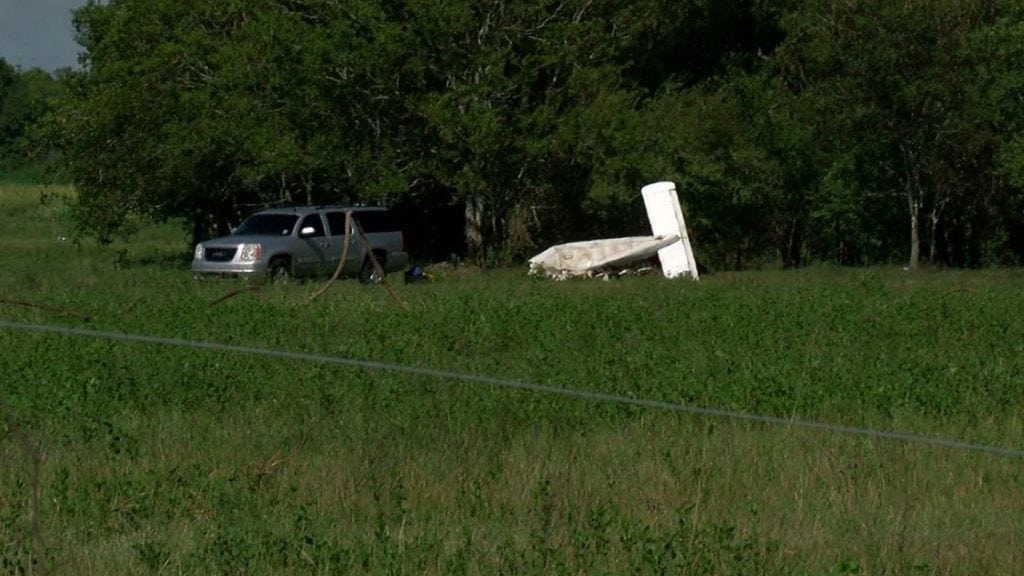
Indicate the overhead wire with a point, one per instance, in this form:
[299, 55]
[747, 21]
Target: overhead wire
[514, 384]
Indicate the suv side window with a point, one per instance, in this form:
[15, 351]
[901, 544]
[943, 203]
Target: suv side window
[314, 221]
[336, 222]
[375, 221]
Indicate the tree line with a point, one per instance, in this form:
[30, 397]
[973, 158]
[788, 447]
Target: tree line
[847, 131]
[26, 97]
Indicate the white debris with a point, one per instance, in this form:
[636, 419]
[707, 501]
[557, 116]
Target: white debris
[619, 256]
[597, 257]
[666, 217]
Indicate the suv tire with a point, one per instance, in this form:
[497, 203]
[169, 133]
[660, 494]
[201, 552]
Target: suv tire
[279, 271]
[368, 274]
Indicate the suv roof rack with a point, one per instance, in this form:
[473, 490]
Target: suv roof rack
[306, 207]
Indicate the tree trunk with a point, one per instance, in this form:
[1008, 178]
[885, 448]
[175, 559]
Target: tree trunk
[912, 185]
[475, 228]
[793, 245]
[915, 232]
[936, 218]
[198, 227]
[933, 235]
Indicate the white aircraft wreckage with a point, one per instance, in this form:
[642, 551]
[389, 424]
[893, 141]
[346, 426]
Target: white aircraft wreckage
[618, 256]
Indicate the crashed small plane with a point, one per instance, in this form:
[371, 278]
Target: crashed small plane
[610, 256]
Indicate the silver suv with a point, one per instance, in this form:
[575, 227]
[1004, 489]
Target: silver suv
[305, 241]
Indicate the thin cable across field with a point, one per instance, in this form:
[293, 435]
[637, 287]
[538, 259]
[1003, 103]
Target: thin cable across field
[514, 384]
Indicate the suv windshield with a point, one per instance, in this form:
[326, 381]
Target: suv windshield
[267, 225]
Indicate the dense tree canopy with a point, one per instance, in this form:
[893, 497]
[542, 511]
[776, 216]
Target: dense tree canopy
[26, 96]
[852, 131]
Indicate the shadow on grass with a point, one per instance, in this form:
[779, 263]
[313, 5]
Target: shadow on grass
[172, 261]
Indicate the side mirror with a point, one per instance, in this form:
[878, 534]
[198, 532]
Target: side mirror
[307, 231]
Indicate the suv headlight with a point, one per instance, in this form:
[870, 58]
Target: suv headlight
[249, 252]
[198, 253]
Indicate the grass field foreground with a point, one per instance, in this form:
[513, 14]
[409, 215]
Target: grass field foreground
[121, 458]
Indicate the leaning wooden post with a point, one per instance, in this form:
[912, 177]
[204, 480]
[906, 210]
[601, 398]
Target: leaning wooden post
[376, 265]
[341, 263]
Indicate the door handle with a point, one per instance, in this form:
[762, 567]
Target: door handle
[325, 244]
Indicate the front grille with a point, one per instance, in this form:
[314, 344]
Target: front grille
[220, 254]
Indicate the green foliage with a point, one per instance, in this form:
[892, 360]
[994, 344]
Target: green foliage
[204, 111]
[25, 99]
[204, 461]
[243, 106]
[899, 127]
[801, 131]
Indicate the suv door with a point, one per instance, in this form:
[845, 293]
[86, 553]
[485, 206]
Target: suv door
[354, 259]
[312, 246]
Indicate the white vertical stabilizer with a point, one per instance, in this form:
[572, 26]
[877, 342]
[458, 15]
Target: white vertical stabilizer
[666, 217]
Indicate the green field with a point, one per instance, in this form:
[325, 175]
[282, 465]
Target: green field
[125, 458]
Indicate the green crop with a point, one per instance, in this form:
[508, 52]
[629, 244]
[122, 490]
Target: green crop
[126, 457]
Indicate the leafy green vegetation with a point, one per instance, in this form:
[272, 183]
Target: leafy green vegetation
[127, 457]
[26, 96]
[799, 132]
[806, 132]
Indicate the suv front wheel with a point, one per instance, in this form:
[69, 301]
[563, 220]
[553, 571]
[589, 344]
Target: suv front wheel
[279, 271]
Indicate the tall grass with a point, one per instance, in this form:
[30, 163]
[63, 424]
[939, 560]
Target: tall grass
[158, 459]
